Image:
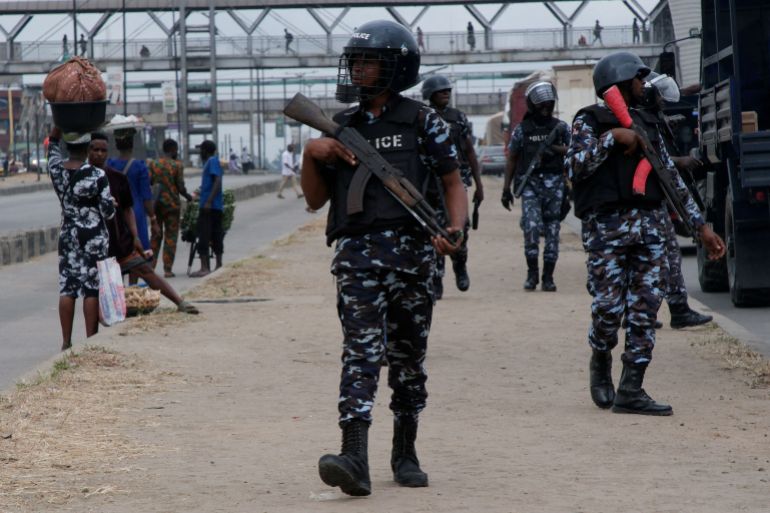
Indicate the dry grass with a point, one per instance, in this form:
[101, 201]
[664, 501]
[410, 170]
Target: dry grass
[735, 355]
[250, 277]
[60, 432]
[242, 279]
[161, 321]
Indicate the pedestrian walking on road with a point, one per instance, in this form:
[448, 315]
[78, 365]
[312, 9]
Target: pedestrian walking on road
[624, 233]
[289, 168]
[438, 91]
[247, 164]
[471, 37]
[597, 34]
[125, 245]
[87, 207]
[543, 194]
[383, 261]
[232, 163]
[167, 175]
[211, 206]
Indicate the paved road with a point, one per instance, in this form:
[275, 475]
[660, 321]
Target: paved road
[750, 325]
[40, 209]
[29, 324]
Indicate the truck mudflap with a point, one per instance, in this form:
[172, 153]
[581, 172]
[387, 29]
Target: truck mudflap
[755, 159]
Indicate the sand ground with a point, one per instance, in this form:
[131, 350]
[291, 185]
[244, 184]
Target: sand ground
[229, 411]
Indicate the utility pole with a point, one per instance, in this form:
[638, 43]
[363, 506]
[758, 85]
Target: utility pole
[125, 81]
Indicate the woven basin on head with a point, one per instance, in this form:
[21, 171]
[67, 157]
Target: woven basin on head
[79, 117]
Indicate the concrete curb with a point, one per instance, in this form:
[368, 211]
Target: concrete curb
[23, 246]
[27, 188]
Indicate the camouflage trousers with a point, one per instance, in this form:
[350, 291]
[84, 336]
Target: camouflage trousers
[627, 271]
[676, 292]
[540, 210]
[385, 314]
[168, 219]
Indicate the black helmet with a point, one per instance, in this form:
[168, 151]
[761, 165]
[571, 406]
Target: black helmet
[616, 68]
[387, 42]
[435, 84]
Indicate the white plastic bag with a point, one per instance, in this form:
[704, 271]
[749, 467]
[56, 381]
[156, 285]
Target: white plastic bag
[112, 296]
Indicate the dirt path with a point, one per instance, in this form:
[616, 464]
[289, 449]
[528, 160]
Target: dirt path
[230, 412]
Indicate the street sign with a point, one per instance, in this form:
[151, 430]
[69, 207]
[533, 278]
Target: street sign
[169, 98]
[279, 126]
[115, 85]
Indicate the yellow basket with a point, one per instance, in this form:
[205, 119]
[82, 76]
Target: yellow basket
[141, 300]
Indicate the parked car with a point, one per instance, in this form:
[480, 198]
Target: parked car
[492, 160]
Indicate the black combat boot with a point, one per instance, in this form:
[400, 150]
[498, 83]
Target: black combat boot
[631, 397]
[462, 279]
[600, 369]
[219, 260]
[548, 284]
[403, 459]
[349, 470]
[532, 272]
[682, 316]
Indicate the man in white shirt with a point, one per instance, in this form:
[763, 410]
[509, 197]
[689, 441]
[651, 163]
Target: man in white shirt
[289, 169]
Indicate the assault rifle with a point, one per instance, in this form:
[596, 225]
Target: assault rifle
[651, 161]
[535, 162]
[475, 216]
[305, 111]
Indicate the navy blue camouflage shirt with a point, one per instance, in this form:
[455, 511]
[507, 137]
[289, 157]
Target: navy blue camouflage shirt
[405, 249]
[588, 151]
[516, 143]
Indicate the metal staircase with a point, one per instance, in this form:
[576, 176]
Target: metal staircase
[196, 59]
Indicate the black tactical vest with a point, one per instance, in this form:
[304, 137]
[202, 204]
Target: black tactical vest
[534, 135]
[452, 118]
[394, 135]
[610, 187]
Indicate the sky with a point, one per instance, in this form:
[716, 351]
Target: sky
[437, 19]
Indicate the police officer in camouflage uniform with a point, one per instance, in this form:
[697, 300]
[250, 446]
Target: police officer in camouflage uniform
[659, 90]
[624, 234]
[543, 194]
[438, 91]
[383, 261]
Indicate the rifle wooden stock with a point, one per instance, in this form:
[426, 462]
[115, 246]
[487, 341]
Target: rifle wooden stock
[304, 110]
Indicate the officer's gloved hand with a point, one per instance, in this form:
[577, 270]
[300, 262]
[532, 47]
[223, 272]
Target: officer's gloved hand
[507, 199]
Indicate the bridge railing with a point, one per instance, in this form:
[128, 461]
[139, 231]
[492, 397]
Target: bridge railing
[315, 45]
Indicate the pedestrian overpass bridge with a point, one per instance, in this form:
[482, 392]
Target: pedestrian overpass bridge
[322, 51]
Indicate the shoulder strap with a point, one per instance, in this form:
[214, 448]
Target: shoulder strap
[127, 166]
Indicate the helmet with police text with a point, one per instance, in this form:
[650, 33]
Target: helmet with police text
[616, 68]
[435, 84]
[540, 92]
[384, 46]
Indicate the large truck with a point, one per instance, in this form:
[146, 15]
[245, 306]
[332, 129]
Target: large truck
[734, 127]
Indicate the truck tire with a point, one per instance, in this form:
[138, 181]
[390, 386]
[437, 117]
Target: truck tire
[740, 295]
